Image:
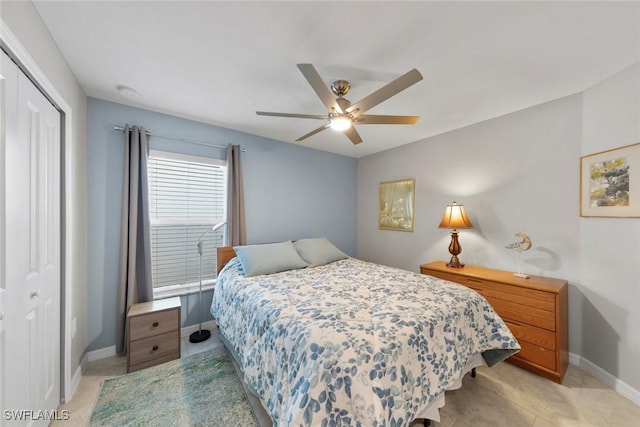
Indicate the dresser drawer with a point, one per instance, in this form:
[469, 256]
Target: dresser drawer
[523, 314]
[536, 336]
[446, 276]
[538, 355]
[154, 323]
[510, 302]
[154, 347]
[518, 294]
[528, 297]
[534, 309]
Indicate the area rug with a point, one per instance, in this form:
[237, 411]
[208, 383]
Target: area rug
[198, 390]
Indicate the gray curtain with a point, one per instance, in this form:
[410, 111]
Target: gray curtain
[236, 229]
[135, 244]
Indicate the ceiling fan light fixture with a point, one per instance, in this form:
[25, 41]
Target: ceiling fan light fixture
[341, 114]
[340, 123]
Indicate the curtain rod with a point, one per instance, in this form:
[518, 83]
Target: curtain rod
[191, 141]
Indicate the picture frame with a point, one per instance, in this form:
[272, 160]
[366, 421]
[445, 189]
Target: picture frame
[396, 205]
[610, 183]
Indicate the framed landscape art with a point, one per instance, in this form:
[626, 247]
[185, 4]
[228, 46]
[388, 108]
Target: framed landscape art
[610, 183]
[396, 205]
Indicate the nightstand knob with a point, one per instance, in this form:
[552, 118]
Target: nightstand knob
[155, 324]
[155, 347]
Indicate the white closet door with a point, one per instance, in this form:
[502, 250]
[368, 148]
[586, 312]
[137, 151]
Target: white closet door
[8, 131]
[31, 288]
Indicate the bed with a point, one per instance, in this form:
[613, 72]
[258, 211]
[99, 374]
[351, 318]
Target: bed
[348, 342]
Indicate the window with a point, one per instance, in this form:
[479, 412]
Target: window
[187, 196]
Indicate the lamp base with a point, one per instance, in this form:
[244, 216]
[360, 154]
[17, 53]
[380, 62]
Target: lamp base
[455, 262]
[199, 336]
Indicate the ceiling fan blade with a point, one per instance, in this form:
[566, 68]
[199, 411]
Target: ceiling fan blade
[374, 119]
[386, 92]
[313, 132]
[294, 115]
[320, 88]
[353, 135]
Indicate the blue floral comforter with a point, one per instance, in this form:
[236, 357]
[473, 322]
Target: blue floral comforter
[353, 343]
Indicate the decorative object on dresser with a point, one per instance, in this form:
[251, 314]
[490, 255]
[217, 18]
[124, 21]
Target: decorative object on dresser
[153, 331]
[202, 334]
[519, 247]
[609, 182]
[396, 205]
[534, 309]
[455, 217]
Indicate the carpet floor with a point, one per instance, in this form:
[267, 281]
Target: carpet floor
[198, 390]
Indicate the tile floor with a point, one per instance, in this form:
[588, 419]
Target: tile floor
[502, 396]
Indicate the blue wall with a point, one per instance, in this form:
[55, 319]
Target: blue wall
[291, 192]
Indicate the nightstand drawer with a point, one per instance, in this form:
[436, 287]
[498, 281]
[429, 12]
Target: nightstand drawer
[153, 330]
[154, 347]
[154, 323]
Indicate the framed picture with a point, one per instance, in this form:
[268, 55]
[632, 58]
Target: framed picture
[610, 183]
[396, 205]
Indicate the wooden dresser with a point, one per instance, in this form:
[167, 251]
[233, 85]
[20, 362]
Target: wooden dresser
[153, 333]
[534, 309]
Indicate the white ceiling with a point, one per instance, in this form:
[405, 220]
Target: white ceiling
[219, 62]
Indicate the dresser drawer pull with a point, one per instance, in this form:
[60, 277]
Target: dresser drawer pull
[474, 280]
[155, 347]
[155, 324]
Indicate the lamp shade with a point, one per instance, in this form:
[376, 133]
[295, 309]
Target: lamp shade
[455, 217]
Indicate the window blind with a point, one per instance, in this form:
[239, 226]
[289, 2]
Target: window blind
[186, 198]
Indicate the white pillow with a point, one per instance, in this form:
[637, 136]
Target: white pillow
[268, 258]
[318, 251]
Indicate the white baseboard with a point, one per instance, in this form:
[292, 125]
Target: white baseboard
[101, 353]
[618, 385]
[75, 382]
[75, 379]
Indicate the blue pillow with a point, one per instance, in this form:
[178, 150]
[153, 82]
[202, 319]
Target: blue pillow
[268, 258]
[318, 251]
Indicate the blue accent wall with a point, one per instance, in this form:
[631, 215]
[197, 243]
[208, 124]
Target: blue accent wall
[291, 192]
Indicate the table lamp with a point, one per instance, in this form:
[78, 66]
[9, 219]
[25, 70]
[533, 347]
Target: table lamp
[455, 217]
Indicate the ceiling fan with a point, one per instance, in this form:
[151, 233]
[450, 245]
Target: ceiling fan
[341, 113]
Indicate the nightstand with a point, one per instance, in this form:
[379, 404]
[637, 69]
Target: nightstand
[153, 331]
[534, 309]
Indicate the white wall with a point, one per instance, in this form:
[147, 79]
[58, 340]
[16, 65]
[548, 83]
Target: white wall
[515, 173]
[520, 172]
[607, 306]
[24, 22]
